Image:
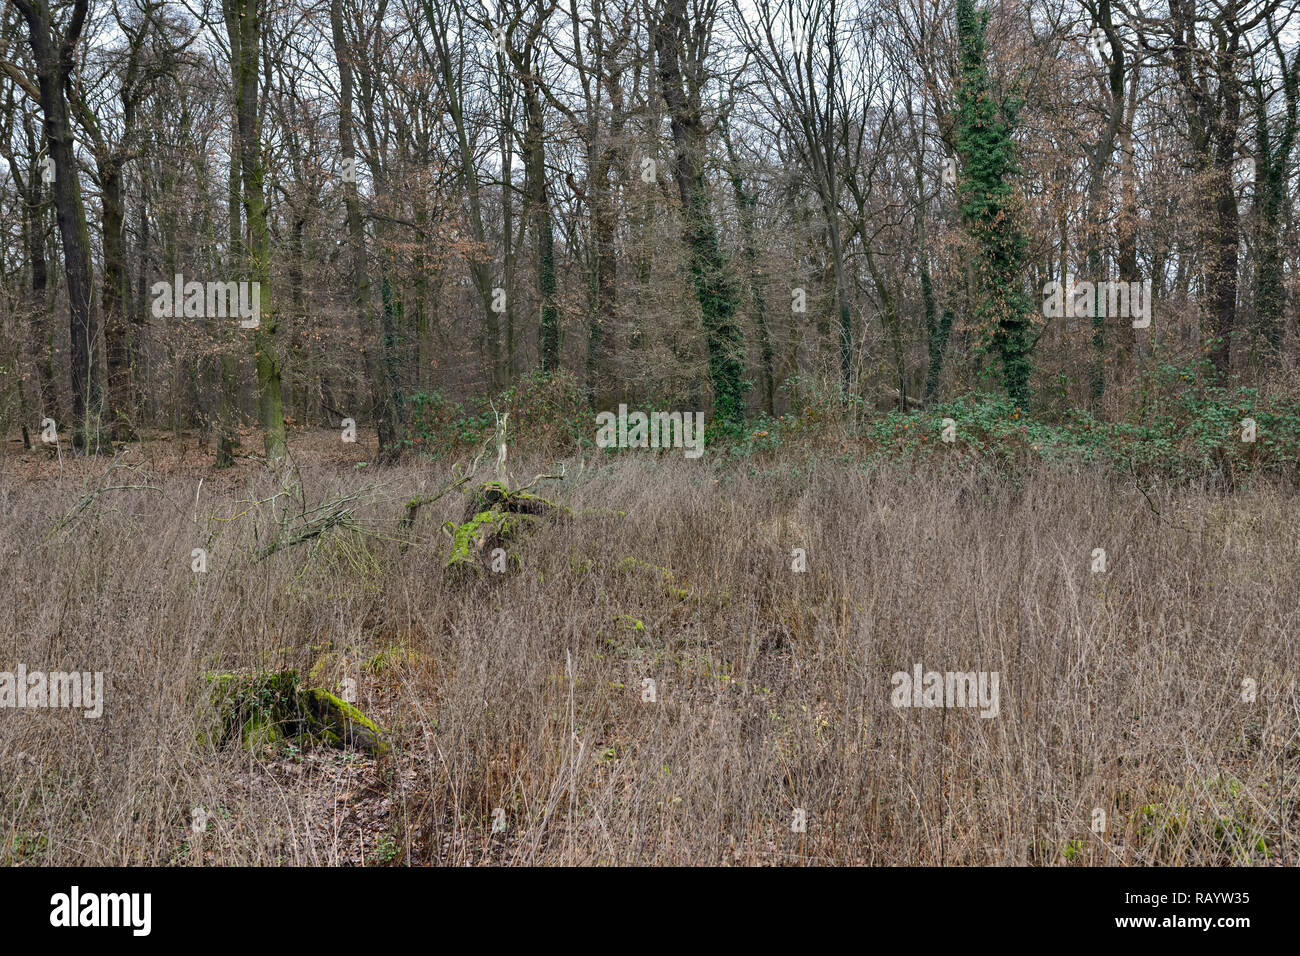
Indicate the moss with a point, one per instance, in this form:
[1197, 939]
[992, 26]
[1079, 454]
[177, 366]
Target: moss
[219, 683]
[494, 514]
[484, 532]
[525, 502]
[217, 712]
[670, 584]
[635, 564]
[495, 495]
[475, 530]
[266, 709]
[486, 496]
[486, 529]
[337, 723]
[399, 656]
[326, 662]
[259, 731]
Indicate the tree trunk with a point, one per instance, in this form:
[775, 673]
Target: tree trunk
[113, 296]
[540, 214]
[53, 56]
[387, 402]
[746, 204]
[34, 238]
[243, 27]
[714, 289]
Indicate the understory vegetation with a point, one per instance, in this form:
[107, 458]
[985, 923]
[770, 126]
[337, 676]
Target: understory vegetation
[517, 725]
[1183, 424]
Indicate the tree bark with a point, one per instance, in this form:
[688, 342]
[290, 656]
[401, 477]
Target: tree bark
[714, 289]
[53, 56]
[244, 29]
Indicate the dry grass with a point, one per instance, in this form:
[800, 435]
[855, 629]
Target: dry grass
[1119, 690]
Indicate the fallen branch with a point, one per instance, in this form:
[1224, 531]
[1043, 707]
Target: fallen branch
[415, 504]
[460, 475]
[86, 500]
[337, 513]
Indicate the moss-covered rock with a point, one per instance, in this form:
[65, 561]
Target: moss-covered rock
[266, 709]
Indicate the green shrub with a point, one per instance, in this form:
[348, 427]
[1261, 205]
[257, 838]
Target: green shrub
[439, 427]
[1184, 427]
[547, 409]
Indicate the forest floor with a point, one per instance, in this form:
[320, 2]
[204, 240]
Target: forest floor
[1147, 706]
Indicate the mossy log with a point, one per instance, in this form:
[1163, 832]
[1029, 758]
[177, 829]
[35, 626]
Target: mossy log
[262, 709]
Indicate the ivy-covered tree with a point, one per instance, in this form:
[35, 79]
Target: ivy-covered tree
[677, 40]
[991, 208]
[1273, 146]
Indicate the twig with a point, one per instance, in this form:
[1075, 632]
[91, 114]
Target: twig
[536, 479]
[415, 504]
[338, 514]
[1151, 504]
[85, 501]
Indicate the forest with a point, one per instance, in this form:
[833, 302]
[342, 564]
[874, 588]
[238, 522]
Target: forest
[600, 432]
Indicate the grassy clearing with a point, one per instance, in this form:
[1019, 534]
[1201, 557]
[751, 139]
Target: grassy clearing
[1120, 691]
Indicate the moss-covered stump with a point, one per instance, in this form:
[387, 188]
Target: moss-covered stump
[263, 709]
[485, 497]
[494, 516]
[473, 542]
[495, 496]
[336, 723]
